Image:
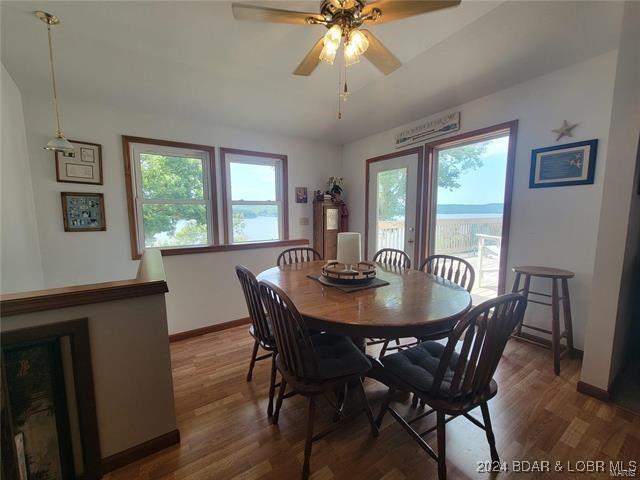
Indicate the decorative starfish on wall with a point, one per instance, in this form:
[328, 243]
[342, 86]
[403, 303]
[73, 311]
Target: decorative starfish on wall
[565, 130]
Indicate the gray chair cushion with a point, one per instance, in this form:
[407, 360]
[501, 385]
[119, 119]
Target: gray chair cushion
[336, 356]
[418, 365]
[271, 340]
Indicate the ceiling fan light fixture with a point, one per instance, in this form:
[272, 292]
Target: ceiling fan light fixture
[332, 41]
[328, 53]
[358, 41]
[351, 56]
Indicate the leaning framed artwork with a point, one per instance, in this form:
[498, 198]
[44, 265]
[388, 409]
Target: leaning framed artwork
[83, 212]
[83, 165]
[564, 165]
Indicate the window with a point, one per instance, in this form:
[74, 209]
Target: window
[172, 193]
[172, 197]
[254, 196]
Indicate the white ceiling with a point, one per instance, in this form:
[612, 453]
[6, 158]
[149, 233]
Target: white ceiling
[193, 60]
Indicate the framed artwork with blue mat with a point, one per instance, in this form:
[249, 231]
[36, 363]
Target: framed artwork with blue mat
[564, 165]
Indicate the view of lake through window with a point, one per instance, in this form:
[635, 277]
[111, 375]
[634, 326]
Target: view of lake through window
[469, 207]
[174, 208]
[254, 202]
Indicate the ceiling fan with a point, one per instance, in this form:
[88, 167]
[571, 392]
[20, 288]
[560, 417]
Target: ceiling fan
[343, 19]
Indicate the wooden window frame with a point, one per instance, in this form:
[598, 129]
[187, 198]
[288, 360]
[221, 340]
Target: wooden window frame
[132, 189]
[430, 192]
[283, 185]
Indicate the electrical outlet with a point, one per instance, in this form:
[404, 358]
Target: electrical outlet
[304, 221]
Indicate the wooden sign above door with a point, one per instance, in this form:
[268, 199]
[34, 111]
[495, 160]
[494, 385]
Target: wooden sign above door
[427, 129]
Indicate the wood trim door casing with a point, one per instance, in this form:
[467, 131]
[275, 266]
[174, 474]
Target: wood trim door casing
[401, 153]
[130, 187]
[223, 177]
[78, 330]
[429, 192]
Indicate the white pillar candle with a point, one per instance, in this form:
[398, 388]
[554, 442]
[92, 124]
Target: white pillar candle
[349, 248]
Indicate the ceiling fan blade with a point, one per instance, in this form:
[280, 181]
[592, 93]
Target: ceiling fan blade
[255, 13]
[398, 9]
[311, 60]
[379, 55]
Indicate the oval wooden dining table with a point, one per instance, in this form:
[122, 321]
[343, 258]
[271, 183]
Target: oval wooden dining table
[413, 304]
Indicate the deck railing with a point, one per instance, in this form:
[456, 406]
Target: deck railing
[391, 234]
[453, 235]
[458, 235]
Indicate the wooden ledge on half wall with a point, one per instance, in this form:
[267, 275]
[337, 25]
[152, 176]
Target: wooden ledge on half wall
[166, 252]
[150, 280]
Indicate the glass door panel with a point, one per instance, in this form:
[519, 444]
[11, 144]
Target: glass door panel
[469, 206]
[392, 204]
[392, 209]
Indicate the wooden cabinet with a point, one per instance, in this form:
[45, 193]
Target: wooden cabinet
[329, 218]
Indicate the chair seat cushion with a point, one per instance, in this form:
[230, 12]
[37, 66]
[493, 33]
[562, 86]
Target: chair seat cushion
[270, 341]
[417, 366]
[336, 356]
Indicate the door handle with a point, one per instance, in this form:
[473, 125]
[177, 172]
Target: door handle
[410, 241]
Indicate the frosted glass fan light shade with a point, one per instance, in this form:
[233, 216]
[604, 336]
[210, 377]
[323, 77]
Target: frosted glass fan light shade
[350, 55]
[349, 248]
[59, 144]
[328, 54]
[331, 44]
[358, 42]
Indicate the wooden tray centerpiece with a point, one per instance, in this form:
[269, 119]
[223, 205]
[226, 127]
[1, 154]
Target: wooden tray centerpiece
[341, 274]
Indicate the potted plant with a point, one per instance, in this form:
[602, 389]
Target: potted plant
[335, 187]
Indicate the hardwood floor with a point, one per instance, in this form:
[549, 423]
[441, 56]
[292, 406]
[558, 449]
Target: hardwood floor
[226, 433]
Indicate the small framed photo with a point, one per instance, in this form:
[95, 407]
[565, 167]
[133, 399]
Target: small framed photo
[301, 194]
[564, 165]
[83, 212]
[83, 165]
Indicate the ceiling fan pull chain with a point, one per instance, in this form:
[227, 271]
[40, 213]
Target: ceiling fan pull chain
[346, 89]
[339, 93]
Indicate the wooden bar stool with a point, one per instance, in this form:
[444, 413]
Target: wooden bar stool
[556, 275]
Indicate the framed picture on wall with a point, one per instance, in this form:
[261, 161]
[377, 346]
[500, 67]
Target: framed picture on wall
[301, 194]
[83, 165]
[564, 165]
[83, 212]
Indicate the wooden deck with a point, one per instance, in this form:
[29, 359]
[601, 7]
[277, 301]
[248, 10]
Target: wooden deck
[226, 433]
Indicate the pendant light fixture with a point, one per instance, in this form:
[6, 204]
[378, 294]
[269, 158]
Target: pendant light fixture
[59, 143]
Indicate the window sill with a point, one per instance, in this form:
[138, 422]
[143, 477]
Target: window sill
[167, 252]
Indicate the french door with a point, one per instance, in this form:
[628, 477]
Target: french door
[468, 202]
[392, 202]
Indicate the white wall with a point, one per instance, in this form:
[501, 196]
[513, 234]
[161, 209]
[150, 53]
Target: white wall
[77, 258]
[21, 265]
[610, 312]
[551, 226]
[216, 297]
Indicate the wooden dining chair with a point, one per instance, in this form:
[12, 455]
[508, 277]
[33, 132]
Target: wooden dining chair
[260, 328]
[454, 269]
[450, 382]
[297, 255]
[397, 259]
[312, 365]
[392, 257]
